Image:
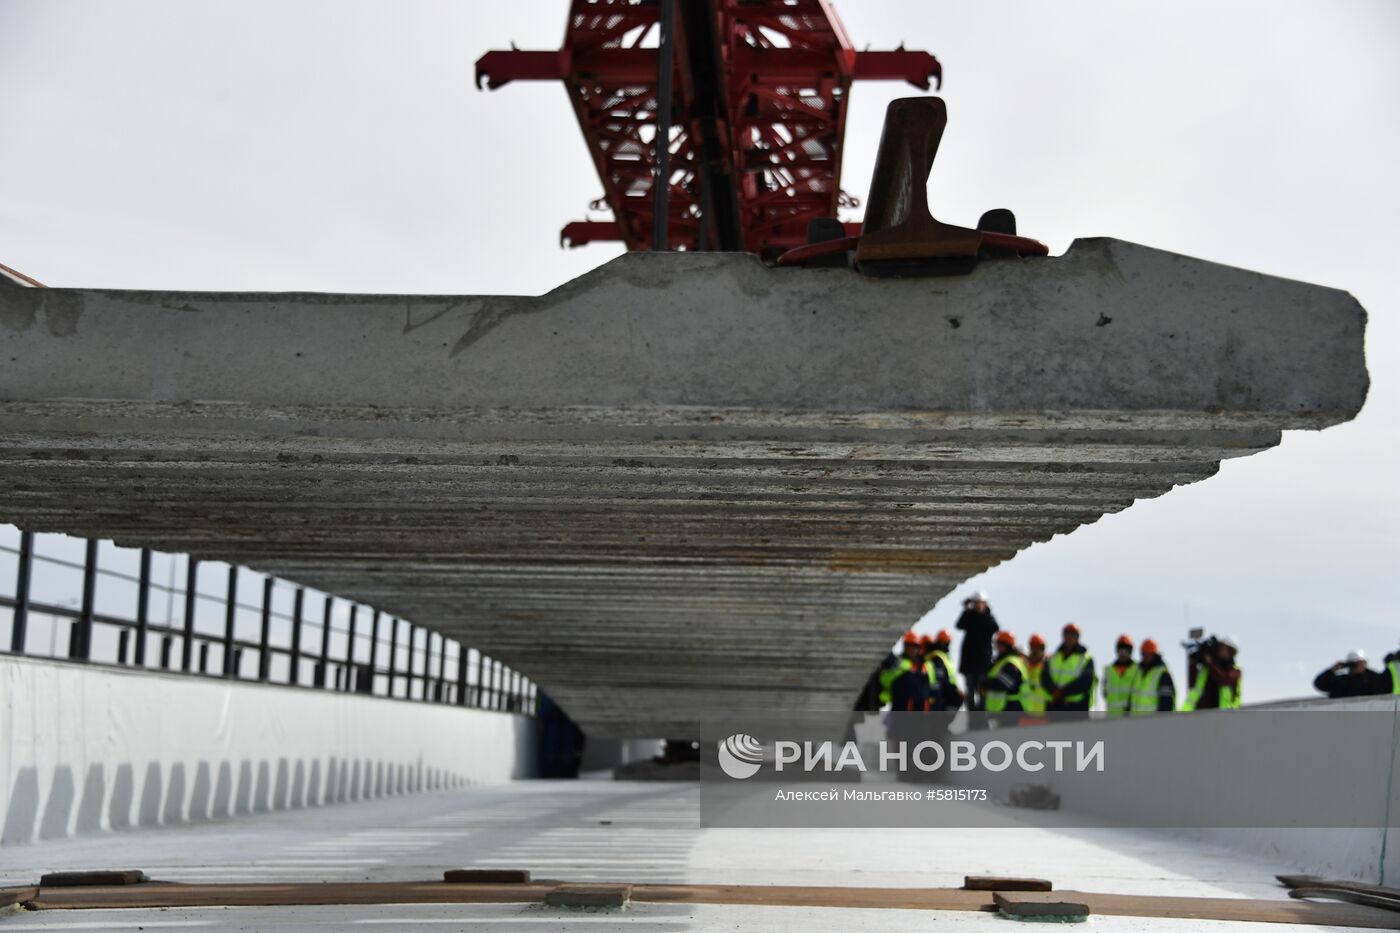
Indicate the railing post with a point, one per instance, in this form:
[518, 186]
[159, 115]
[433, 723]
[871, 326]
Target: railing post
[461, 674]
[413, 631]
[441, 689]
[123, 644]
[21, 614]
[230, 618]
[428, 687]
[480, 679]
[350, 636]
[265, 634]
[373, 650]
[294, 673]
[393, 651]
[143, 606]
[325, 666]
[80, 636]
[204, 657]
[187, 649]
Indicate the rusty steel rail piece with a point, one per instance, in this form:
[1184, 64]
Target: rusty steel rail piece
[900, 235]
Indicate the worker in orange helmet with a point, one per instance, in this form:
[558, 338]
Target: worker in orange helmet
[1035, 698]
[1069, 674]
[1154, 691]
[1002, 688]
[906, 685]
[1119, 679]
[946, 695]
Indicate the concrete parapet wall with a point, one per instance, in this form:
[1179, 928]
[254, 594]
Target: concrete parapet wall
[85, 749]
[1220, 754]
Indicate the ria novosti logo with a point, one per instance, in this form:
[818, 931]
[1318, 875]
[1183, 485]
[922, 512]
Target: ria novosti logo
[740, 756]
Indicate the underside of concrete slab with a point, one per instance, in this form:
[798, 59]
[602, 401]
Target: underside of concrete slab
[681, 482]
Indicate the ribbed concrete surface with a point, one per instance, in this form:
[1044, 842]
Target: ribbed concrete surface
[680, 482]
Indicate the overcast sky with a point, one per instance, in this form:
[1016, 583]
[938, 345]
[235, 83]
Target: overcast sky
[340, 145]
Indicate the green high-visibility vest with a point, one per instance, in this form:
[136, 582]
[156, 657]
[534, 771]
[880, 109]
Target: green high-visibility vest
[1146, 690]
[1394, 668]
[996, 697]
[889, 675]
[1118, 688]
[932, 661]
[1229, 697]
[1066, 669]
[1033, 696]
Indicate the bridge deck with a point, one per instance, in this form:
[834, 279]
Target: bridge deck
[622, 832]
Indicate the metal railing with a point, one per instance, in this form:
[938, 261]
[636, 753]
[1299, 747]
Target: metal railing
[252, 627]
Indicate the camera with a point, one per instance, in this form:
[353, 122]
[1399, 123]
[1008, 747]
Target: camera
[1199, 648]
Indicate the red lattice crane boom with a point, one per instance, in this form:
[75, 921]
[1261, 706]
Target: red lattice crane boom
[759, 98]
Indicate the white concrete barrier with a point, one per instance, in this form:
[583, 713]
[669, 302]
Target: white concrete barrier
[85, 749]
[1329, 766]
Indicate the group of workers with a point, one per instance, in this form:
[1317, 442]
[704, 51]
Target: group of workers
[1353, 677]
[1002, 679]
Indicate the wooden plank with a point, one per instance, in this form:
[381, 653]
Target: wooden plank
[1003, 883]
[346, 893]
[486, 876]
[611, 896]
[88, 879]
[157, 895]
[1040, 905]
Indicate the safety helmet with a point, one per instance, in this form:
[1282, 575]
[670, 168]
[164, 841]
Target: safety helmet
[980, 596]
[1357, 656]
[1229, 642]
[926, 640]
[1006, 638]
[944, 637]
[1122, 641]
[1069, 627]
[1037, 641]
[1148, 646]
[911, 637]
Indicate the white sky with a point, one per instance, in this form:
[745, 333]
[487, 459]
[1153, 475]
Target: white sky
[340, 145]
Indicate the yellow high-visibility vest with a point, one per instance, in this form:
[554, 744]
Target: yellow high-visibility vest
[1229, 697]
[996, 697]
[1118, 688]
[1067, 668]
[941, 657]
[889, 675]
[1033, 696]
[1146, 692]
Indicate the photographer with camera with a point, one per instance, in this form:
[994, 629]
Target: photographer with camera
[978, 625]
[1352, 678]
[1214, 675]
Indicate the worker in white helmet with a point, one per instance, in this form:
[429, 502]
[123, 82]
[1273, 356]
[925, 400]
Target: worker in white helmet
[1352, 677]
[978, 625]
[1218, 679]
